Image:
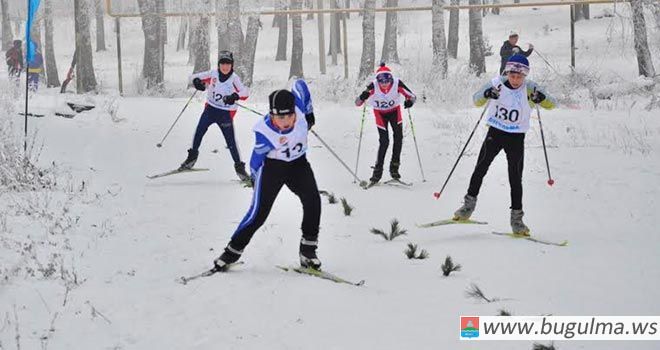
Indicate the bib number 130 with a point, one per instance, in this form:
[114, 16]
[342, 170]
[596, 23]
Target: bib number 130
[511, 115]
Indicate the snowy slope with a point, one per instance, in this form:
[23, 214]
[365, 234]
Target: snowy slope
[605, 162]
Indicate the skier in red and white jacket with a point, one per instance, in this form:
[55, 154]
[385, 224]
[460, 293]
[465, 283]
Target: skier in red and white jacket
[384, 96]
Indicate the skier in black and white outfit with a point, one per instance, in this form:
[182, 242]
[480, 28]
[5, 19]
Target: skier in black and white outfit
[513, 98]
[278, 159]
[224, 89]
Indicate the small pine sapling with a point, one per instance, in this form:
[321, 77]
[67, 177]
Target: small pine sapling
[448, 267]
[411, 252]
[476, 293]
[348, 209]
[538, 346]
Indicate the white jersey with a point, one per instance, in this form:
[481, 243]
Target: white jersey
[288, 146]
[511, 111]
[216, 90]
[384, 101]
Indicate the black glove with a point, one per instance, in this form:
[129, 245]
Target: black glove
[408, 103]
[249, 183]
[492, 93]
[199, 85]
[311, 120]
[230, 99]
[364, 95]
[537, 97]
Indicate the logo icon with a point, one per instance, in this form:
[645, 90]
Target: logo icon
[469, 327]
[283, 140]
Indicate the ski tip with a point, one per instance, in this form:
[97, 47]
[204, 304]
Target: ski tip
[360, 283]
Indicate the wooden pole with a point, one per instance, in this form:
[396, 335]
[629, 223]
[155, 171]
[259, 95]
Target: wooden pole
[343, 19]
[321, 37]
[119, 75]
[573, 36]
[382, 9]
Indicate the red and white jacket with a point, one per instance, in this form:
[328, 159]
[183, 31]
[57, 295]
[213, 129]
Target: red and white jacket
[216, 90]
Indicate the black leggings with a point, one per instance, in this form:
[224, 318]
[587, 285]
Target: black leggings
[394, 119]
[298, 176]
[514, 147]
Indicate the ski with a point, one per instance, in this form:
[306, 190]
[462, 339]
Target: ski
[451, 222]
[36, 115]
[184, 280]
[532, 239]
[397, 182]
[176, 171]
[391, 182]
[319, 273]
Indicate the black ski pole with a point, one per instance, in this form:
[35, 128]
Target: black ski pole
[160, 144]
[419, 159]
[545, 152]
[437, 194]
[357, 161]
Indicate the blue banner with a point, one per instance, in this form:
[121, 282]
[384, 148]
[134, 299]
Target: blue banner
[33, 6]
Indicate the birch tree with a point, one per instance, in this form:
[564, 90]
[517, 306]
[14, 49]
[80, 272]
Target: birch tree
[477, 59]
[367, 61]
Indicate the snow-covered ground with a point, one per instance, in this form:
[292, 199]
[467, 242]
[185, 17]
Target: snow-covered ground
[131, 237]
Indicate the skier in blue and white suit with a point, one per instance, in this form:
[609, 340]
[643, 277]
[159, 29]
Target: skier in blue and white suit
[278, 159]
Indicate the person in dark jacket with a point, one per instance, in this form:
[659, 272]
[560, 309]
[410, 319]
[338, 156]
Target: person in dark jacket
[510, 48]
[14, 59]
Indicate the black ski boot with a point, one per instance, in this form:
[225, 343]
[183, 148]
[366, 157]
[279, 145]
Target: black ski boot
[190, 161]
[240, 171]
[308, 258]
[228, 257]
[377, 174]
[394, 170]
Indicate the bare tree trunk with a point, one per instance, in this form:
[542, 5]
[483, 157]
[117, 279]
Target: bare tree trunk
[390, 52]
[585, 11]
[202, 61]
[100, 27]
[52, 78]
[477, 59]
[655, 8]
[297, 41]
[151, 70]
[484, 11]
[221, 24]
[7, 36]
[578, 12]
[283, 25]
[368, 60]
[236, 36]
[163, 23]
[251, 36]
[496, 10]
[85, 79]
[439, 44]
[335, 36]
[309, 4]
[452, 45]
[347, 4]
[193, 23]
[644, 60]
[181, 38]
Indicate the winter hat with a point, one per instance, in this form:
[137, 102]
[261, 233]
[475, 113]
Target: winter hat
[225, 57]
[384, 74]
[517, 64]
[281, 102]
